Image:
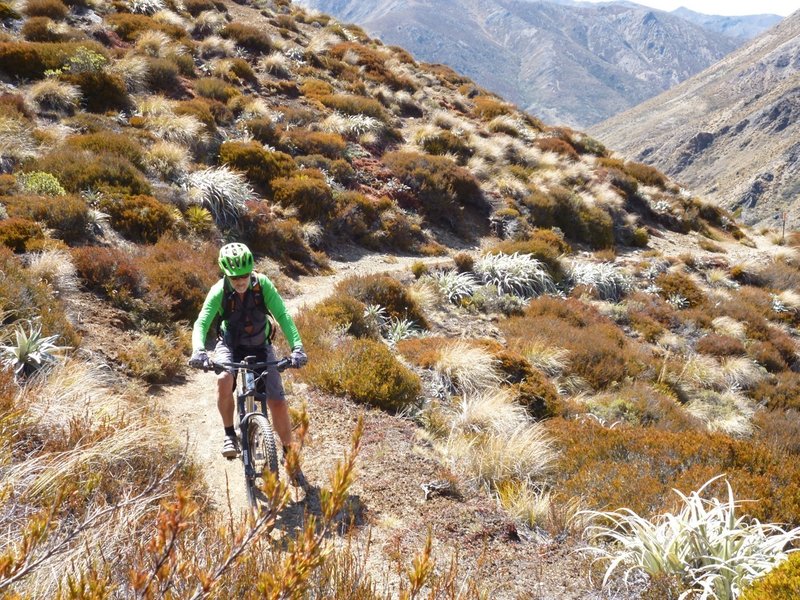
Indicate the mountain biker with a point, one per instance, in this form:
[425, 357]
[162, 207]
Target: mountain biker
[246, 302]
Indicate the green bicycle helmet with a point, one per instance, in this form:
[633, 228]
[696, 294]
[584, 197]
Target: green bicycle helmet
[235, 260]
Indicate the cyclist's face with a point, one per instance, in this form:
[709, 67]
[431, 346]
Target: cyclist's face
[240, 284]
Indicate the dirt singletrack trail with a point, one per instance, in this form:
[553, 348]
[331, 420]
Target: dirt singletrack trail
[191, 406]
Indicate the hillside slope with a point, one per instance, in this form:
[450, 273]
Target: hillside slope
[731, 131]
[570, 64]
[506, 325]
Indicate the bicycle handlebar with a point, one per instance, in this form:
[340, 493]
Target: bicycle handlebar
[218, 367]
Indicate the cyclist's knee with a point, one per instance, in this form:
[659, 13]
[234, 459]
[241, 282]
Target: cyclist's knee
[225, 380]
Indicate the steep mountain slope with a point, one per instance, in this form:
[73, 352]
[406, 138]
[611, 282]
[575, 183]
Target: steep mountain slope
[730, 132]
[573, 64]
[558, 329]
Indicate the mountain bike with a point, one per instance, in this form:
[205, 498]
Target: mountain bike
[259, 452]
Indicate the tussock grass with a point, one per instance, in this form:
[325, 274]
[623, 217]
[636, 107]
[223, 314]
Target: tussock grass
[490, 412]
[546, 357]
[729, 412]
[518, 274]
[729, 326]
[466, 369]
[168, 160]
[524, 454]
[54, 95]
[216, 46]
[55, 267]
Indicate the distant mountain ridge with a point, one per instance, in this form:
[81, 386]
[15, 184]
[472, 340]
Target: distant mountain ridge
[731, 132]
[737, 27]
[565, 62]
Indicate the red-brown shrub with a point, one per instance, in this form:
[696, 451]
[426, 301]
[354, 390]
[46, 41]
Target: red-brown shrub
[16, 232]
[54, 9]
[779, 391]
[67, 215]
[260, 165]
[109, 271]
[720, 345]
[249, 37]
[680, 284]
[79, 171]
[304, 141]
[639, 466]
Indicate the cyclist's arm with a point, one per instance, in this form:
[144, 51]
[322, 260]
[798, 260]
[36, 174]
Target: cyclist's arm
[211, 308]
[275, 305]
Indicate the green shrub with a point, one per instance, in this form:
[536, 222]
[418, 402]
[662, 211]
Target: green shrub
[101, 91]
[355, 105]
[30, 60]
[155, 358]
[215, 88]
[782, 583]
[108, 142]
[339, 169]
[67, 215]
[366, 371]
[128, 26]
[162, 74]
[40, 184]
[305, 141]
[310, 195]
[646, 174]
[443, 188]
[79, 171]
[343, 310]
[54, 9]
[139, 218]
[386, 292]
[445, 142]
[16, 232]
[263, 130]
[260, 165]
[249, 37]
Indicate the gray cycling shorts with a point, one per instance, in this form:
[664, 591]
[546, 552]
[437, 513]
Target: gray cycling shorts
[272, 381]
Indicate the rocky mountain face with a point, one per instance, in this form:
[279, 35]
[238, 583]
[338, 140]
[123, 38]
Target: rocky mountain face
[575, 64]
[732, 132]
[738, 27]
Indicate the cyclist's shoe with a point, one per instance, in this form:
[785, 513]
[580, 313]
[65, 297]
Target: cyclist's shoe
[230, 447]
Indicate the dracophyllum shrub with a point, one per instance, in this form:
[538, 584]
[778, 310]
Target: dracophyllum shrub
[222, 191]
[518, 274]
[712, 550]
[605, 279]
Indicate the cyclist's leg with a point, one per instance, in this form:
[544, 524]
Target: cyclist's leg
[226, 382]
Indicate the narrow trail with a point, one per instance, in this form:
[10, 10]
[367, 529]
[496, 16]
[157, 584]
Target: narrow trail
[191, 406]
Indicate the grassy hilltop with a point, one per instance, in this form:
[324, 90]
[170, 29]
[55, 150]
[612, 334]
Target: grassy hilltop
[592, 336]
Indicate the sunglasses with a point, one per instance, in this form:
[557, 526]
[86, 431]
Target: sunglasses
[239, 277]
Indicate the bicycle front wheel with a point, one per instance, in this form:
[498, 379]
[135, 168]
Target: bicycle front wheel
[263, 454]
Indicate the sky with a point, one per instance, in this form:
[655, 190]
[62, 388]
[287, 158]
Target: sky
[725, 7]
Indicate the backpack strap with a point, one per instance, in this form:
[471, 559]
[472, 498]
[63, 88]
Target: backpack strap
[229, 304]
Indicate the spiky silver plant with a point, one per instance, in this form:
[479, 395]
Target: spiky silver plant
[606, 279]
[400, 329]
[222, 191]
[518, 274]
[31, 350]
[712, 550]
[454, 285]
